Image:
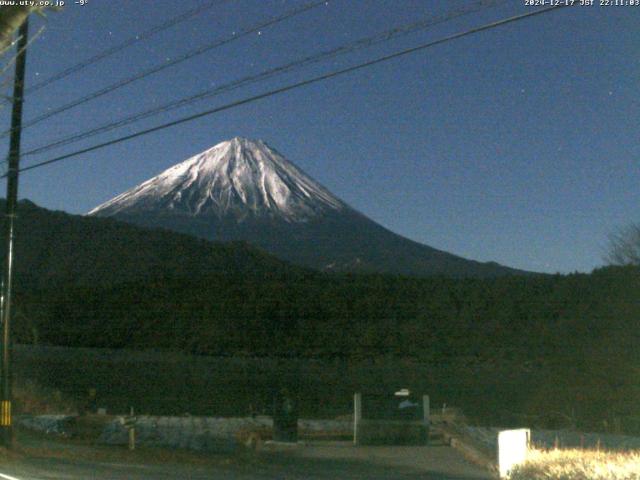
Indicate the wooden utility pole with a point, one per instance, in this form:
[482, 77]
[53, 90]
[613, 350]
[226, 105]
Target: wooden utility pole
[6, 427]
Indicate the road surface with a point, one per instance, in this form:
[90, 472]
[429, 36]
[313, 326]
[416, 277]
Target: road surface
[334, 461]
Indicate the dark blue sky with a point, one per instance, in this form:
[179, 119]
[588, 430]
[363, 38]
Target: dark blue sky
[519, 144]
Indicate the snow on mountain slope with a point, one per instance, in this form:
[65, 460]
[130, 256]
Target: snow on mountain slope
[239, 178]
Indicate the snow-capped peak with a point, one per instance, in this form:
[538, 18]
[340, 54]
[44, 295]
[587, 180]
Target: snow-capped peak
[239, 177]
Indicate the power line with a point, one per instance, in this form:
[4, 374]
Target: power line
[122, 46]
[287, 88]
[184, 57]
[341, 50]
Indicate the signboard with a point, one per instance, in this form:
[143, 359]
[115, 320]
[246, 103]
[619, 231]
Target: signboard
[394, 418]
[129, 421]
[401, 405]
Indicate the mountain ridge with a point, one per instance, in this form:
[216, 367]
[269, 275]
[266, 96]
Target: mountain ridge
[57, 248]
[245, 190]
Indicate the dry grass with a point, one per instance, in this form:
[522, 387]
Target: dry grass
[578, 465]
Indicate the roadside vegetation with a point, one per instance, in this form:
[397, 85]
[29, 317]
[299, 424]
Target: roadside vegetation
[578, 465]
[546, 351]
[570, 341]
[33, 398]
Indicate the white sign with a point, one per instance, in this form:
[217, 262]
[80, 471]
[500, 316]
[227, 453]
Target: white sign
[513, 446]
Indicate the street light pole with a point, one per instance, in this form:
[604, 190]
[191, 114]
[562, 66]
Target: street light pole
[6, 429]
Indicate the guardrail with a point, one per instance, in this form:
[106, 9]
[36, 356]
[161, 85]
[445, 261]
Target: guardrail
[455, 435]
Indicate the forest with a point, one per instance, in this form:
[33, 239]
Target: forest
[575, 335]
[570, 339]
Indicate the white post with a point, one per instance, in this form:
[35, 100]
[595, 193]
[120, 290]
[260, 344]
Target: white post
[513, 447]
[357, 416]
[426, 408]
[132, 433]
[426, 411]
[132, 438]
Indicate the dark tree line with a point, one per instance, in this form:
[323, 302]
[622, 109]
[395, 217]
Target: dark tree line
[312, 314]
[576, 335]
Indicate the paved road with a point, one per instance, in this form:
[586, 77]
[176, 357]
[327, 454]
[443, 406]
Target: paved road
[314, 462]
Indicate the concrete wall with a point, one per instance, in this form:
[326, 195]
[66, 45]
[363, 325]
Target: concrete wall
[389, 432]
[206, 433]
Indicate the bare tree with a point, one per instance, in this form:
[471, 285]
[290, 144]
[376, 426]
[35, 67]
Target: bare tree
[10, 20]
[624, 246]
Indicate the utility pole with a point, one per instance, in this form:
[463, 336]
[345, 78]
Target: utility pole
[6, 428]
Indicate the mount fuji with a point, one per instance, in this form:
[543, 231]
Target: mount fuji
[244, 189]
